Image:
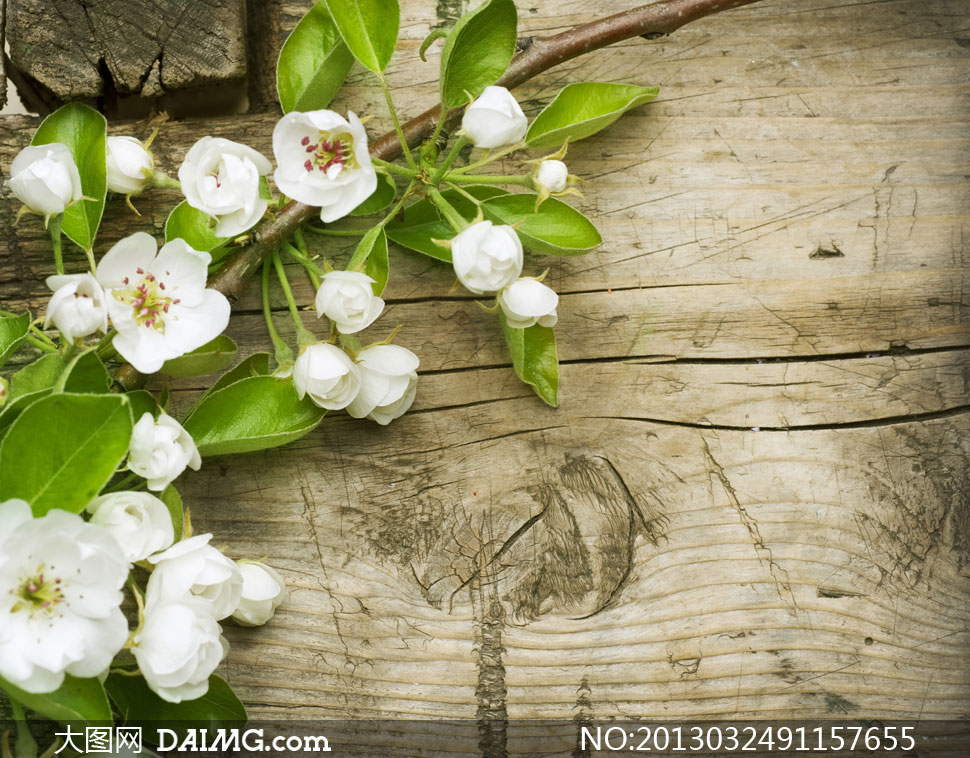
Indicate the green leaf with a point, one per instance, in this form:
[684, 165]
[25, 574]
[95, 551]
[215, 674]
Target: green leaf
[421, 222]
[63, 449]
[477, 51]
[377, 264]
[42, 374]
[256, 364]
[555, 229]
[76, 700]
[255, 413]
[196, 228]
[369, 28]
[142, 402]
[534, 359]
[139, 706]
[84, 131]
[372, 243]
[313, 63]
[582, 109]
[13, 329]
[211, 357]
[173, 501]
[85, 374]
[380, 198]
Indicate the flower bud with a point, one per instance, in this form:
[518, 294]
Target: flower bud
[325, 373]
[129, 165]
[263, 591]
[140, 522]
[487, 257]
[221, 177]
[160, 450]
[494, 119]
[78, 306]
[45, 178]
[194, 567]
[526, 302]
[348, 300]
[389, 382]
[178, 648]
[552, 175]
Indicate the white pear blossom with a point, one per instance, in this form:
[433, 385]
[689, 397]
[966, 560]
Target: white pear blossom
[348, 300]
[495, 119]
[221, 177]
[322, 160]
[129, 164]
[487, 257]
[60, 597]
[263, 592]
[553, 175]
[78, 307]
[389, 382]
[138, 521]
[325, 373]
[158, 301]
[193, 567]
[45, 178]
[178, 648]
[160, 450]
[526, 302]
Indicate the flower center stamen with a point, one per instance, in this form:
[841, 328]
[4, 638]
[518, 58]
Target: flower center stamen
[148, 300]
[330, 149]
[38, 593]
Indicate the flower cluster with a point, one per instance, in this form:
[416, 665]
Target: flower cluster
[61, 582]
[380, 381]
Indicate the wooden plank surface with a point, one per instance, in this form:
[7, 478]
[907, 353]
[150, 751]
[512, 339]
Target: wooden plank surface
[754, 500]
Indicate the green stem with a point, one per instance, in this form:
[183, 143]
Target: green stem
[524, 180]
[161, 180]
[105, 346]
[124, 483]
[303, 336]
[40, 335]
[284, 356]
[336, 232]
[25, 746]
[464, 193]
[39, 344]
[489, 158]
[311, 268]
[452, 216]
[397, 124]
[55, 229]
[449, 159]
[393, 167]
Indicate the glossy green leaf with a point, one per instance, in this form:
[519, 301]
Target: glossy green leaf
[42, 374]
[555, 229]
[477, 51]
[255, 413]
[13, 329]
[84, 131]
[213, 356]
[196, 228]
[75, 701]
[369, 28]
[377, 267]
[380, 198]
[85, 374]
[421, 223]
[534, 359]
[142, 402]
[173, 501]
[313, 63]
[370, 243]
[63, 449]
[256, 364]
[582, 109]
[138, 705]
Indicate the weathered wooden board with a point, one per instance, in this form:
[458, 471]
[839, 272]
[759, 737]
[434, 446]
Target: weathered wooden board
[754, 500]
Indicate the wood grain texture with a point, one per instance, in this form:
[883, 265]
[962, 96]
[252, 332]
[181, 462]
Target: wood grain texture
[754, 500]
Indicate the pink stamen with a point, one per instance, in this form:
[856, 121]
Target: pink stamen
[161, 285]
[305, 141]
[139, 271]
[308, 166]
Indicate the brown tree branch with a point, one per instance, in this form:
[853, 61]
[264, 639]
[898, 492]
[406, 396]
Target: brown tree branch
[655, 19]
